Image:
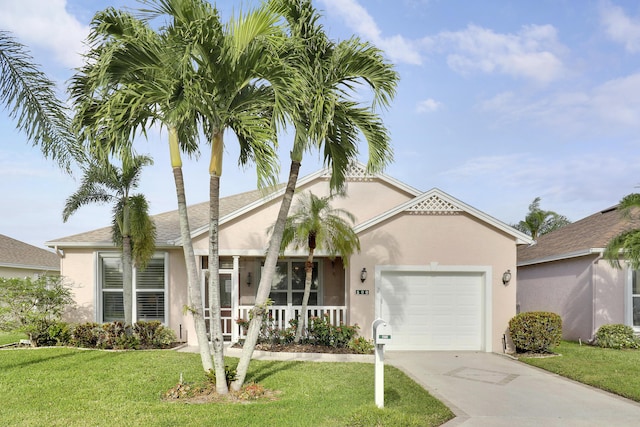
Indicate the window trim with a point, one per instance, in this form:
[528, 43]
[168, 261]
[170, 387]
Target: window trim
[99, 314]
[289, 291]
[628, 299]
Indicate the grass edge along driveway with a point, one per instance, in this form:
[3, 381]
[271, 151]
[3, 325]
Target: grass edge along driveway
[72, 387]
[616, 371]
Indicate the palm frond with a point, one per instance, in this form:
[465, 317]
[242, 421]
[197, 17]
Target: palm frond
[32, 102]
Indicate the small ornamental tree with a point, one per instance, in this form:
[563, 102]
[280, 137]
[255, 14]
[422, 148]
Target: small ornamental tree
[32, 305]
[535, 331]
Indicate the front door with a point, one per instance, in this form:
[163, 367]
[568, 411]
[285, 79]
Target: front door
[225, 302]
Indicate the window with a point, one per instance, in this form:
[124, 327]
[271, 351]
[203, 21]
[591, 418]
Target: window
[149, 290]
[288, 283]
[635, 299]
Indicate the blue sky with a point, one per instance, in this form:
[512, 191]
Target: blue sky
[499, 102]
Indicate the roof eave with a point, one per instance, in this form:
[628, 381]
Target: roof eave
[30, 267]
[560, 257]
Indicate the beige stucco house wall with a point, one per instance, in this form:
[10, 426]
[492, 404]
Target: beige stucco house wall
[400, 228]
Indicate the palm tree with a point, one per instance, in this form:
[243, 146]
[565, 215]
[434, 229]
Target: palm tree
[31, 100]
[539, 222]
[627, 242]
[236, 73]
[325, 116]
[313, 225]
[133, 78]
[132, 230]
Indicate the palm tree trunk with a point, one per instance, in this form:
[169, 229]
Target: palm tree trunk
[196, 302]
[215, 325]
[127, 269]
[264, 288]
[302, 318]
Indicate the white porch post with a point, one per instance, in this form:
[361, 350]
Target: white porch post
[235, 297]
[291, 314]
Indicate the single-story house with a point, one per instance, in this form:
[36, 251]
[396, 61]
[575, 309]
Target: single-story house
[431, 266]
[20, 260]
[564, 272]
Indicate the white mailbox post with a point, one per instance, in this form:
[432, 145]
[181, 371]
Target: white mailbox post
[381, 335]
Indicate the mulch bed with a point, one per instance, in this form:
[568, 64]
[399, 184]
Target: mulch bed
[301, 348]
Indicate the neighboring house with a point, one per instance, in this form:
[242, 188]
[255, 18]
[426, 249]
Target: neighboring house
[564, 272]
[430, 265]
[19, 259]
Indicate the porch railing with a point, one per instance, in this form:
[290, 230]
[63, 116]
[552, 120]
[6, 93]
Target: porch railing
[282, 314]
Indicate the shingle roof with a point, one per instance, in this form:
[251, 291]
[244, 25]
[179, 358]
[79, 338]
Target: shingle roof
[588, 234]
[17, 254]
[167, 223]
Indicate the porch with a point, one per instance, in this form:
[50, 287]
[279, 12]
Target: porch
[239, 277]
[280, 316]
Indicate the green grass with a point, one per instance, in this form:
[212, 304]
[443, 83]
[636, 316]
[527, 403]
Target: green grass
[71, 387]
[616, 371]
[11, 337]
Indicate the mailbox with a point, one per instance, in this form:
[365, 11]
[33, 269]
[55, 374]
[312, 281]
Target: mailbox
[381, 332]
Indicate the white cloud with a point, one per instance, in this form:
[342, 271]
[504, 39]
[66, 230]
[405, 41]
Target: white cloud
[612, 107]
[398, 48]
[428, 106]
[533, 53]
[620, 27]
[46, 24]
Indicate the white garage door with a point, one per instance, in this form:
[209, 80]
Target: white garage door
[433, 310]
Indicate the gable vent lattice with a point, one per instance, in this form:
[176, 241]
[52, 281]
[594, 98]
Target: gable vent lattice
[355, 172]
[434, 205]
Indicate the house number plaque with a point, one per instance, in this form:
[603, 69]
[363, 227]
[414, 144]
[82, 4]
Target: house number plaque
[362, 291]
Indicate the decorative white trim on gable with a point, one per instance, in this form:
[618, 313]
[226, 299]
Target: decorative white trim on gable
[437, 202]
[434, 205]
[355, 172]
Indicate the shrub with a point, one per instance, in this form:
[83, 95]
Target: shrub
[47, 333]
[319, 332]
[60, 332]
[269, 332]
[229, 372]
[86, 335]
[617, 336]
[153, 334]
[322, 332]
[117, 335]
[535, 331]
[361, 345]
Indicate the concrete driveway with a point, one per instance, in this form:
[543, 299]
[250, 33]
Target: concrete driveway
[486, 389]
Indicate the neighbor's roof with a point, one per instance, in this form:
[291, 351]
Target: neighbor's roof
[17, 254]
[586, 236]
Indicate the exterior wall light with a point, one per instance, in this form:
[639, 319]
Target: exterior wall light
[506, 277]
[249, 279]
[363, 275]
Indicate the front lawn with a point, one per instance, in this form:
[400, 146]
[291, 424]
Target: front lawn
[11, 337]
[71, 387]
[616, 371]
